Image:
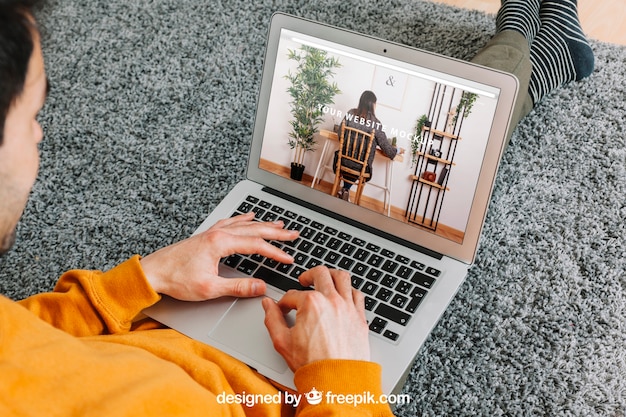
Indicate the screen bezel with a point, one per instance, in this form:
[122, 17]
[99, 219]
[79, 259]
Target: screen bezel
[507, 84]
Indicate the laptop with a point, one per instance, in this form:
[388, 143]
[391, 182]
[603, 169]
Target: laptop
[410, 241]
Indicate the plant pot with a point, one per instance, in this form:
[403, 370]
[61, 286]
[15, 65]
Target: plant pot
[297, 170]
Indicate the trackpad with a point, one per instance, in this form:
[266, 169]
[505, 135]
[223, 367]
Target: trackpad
[243, 330]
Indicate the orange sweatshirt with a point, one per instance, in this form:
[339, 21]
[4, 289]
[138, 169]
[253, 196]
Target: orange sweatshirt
[80, 351]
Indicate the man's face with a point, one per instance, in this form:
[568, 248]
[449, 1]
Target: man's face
[19, 153]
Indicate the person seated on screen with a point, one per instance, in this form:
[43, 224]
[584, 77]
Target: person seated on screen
[364, 118]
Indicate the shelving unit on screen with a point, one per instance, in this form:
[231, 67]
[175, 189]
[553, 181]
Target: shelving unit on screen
[434, 159]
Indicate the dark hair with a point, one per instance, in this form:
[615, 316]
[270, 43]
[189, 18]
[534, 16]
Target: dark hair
[366, 104]
[16, 47]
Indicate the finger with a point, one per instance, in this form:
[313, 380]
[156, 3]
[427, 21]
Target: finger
[359, 302]
[251, 246]
[320, 278]
[343, 282]
[292, 300]
[246, 217]
[266, 230]
[237, 287]
[223, 244]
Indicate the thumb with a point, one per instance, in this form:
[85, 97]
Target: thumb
[277, 329]
[240, 287]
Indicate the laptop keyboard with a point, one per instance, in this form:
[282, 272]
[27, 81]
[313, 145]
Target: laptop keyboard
[394, 285]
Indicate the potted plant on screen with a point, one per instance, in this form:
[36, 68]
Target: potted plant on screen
[416, 140]
[311, 90]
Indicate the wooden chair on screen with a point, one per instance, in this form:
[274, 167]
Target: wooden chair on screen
[355, 147]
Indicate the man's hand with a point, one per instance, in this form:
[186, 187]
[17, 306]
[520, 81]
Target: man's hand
[188, 270]
[330, 321]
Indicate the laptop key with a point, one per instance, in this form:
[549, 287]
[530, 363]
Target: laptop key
[307, 233]
[258, 212]
[312, 263]
[369, 288]
[390, 266]
[384, 294]
[317, 225]
[399, 300]
[359, 268]
[374, 275]
[277, 280]
[391, 335]
[245, 207]
[413, 304]
[297, 271]
[404, 287]
[422, 279]
[284, 268]
[332, 257]
[269, 217]
[247, 267]
[432, 271]
[300, 258]
[270, 262]
[377, 325]
[404, 272]
[358, 242]
[334, 243]
[372, 247]
[356, 282]
[418, 265]
[331, 230]
[392, 314]
[389, 281]
[347, 249]
[291, 215]
[417, 295]
[233, 260]
[345, 263]
[295, 226]
[375, 260]
[361, 254]
[344, 236]
[257, 258]
[305, 246]
[402, 259]
[370, 303]
[318, 252]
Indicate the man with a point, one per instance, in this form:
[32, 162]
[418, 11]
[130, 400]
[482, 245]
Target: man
[83, 348]
[78, 350]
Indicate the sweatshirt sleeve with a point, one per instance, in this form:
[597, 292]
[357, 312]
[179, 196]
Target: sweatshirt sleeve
[86, 303]
[344, 388]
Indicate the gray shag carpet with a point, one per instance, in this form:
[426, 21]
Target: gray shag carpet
[150, 113]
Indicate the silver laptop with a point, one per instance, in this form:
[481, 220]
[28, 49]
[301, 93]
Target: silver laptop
[410, 241]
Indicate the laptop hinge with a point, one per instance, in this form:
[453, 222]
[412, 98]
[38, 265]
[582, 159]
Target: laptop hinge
[356, 224]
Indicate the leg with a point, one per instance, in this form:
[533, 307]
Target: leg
[508, 51]
[560, 52]
[521, 16]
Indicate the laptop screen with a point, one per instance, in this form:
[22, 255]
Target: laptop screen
[437, 123]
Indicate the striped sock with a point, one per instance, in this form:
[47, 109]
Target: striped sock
[560, 52]
[519, 15]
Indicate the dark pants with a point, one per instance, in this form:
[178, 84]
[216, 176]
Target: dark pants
[508, 51]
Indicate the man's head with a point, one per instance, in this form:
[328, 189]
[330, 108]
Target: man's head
[23, 88]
